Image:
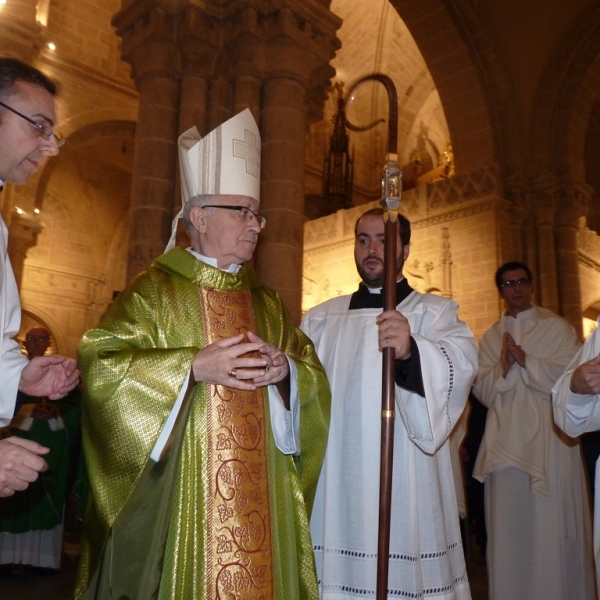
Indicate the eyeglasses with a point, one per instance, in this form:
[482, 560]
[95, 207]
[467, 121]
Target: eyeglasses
[511, 283]
[244, 213]
[45, 132]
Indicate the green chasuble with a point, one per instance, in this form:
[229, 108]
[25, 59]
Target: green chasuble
[196, 524]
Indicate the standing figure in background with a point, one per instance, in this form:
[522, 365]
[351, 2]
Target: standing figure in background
[436, 360]
[27, 137]
[537, 509]
[31, 523]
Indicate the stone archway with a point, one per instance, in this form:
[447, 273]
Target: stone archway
[565, 100]
[79, 260]
[456, 70]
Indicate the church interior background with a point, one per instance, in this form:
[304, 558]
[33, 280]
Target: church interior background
[499, 138]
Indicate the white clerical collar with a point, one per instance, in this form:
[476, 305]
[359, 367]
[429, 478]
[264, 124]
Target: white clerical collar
[379, 290]
[213, 262]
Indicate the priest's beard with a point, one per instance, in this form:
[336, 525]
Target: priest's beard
[375, 280]
[370, 279]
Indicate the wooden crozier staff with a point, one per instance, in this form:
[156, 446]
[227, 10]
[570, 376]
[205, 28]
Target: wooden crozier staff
[391, 191]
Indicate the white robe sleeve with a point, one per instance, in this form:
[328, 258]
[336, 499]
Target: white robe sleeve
[12, 361]
[448, 365]
[286, 423]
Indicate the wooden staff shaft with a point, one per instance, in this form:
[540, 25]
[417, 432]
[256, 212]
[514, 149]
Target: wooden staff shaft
[387, 413]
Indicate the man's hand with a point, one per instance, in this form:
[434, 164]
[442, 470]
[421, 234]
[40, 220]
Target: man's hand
[586, 377]
[20, 463]
[508, 354]
[224, 363]
[516, 351]
[52, 376]
[394, 332]
[277, 367]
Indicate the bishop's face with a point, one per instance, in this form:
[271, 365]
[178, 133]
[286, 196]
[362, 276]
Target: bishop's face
[369, 250]
[224, 233]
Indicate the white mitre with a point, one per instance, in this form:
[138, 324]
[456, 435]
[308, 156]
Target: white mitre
[224, 162]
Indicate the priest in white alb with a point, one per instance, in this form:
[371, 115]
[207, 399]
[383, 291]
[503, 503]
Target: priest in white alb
[537, 509]
[436, 360]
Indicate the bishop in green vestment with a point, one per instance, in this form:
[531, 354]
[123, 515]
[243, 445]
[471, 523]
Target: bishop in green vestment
[206, 411]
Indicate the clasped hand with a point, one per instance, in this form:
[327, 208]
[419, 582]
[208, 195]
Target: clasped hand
[510, 354]
[225, 363]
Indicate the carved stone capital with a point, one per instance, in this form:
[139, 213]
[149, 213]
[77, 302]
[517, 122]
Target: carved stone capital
[476, 185]
[199, 42]
[148, 32]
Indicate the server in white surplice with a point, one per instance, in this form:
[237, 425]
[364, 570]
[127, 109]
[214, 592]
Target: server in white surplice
[435, 364]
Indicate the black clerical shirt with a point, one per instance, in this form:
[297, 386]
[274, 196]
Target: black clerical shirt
[408, 371]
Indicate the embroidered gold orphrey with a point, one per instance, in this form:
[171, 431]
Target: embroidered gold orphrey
[239, 561]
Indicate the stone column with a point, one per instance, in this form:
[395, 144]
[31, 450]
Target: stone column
[283, 127]
[567, 263]
[546, 284]
[248, 95]
[542, 203]
[198, 46]
[149, 47]
[298, 43]
[192, 106]
[571, 208]
[154, 169]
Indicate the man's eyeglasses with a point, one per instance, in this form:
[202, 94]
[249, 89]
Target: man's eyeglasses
[45, 132]
[244, 213]
[511, 283]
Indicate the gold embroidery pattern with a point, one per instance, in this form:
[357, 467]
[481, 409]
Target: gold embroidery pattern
[239, 548]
